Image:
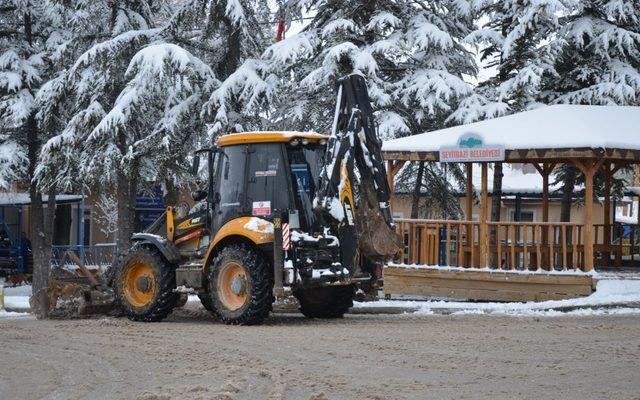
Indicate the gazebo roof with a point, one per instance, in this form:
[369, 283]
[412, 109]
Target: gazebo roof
[551, 132]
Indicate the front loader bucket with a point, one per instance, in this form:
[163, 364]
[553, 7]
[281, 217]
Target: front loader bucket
[73, 294]
[68, 298]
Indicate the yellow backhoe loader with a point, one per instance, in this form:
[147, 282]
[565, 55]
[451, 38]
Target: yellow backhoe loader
[281, 212]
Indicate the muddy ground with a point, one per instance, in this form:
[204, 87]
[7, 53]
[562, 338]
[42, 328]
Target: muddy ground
[189, 356]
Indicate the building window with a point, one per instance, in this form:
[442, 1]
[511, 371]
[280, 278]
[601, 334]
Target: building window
[525, 215]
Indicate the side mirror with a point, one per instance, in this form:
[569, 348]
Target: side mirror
[196, 165]
[198, 195]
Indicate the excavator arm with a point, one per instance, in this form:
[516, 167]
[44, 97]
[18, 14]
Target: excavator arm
[353, 189]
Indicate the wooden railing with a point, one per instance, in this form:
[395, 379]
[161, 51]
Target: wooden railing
[504, 245]
[620, 240]
[435, 242]
[537, 245]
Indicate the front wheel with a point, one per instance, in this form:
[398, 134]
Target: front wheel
[326, 301]
[145, 284]
[240, 285]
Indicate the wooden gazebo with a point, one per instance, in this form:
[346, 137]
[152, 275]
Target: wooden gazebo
[593, 138]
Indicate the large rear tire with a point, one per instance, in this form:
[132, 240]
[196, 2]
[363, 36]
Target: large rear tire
[325, 302]
[240, 286]
[144, 284]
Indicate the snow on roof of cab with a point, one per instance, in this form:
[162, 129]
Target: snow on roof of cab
[557, 126]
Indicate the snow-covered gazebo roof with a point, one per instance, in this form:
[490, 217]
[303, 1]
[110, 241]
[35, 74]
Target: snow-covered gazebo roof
[546, 133]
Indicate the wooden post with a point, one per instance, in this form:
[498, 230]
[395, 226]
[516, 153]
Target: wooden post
[608, 176]
[392, 193]
[588, 223]
[545, 170]
[469, 214]
[606, 235]
[588, 168]
[469, 198]
[484, 229]
[392, 170]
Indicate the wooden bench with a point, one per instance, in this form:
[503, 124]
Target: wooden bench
[492, 285]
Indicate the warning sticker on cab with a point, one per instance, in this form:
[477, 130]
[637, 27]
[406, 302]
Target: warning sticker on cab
[261, 208]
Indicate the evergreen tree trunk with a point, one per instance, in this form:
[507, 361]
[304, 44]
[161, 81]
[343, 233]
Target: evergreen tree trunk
[567, 198]
[40, 226]
[415, 197]
[232, 56]
[126, 199]
[172, 193]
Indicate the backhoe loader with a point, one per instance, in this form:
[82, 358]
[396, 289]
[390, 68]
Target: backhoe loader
[281, 212]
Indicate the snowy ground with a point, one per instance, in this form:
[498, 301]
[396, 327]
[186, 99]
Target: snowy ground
[612, 296]
[413, 356]
[16, 301]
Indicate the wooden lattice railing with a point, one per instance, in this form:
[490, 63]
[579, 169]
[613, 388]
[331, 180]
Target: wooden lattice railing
[504, 245]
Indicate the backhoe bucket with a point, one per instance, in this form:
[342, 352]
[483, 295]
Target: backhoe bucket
[377, 240]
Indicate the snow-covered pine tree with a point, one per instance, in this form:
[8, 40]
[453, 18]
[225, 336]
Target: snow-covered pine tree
[230, 36]
[132, 104]
[409, 52]
[514, 41]
[82, 24]
[599, 55]
[598, 63]
[71, 102]
[28, 33]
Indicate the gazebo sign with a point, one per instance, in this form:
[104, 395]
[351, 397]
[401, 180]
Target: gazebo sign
[471, 148]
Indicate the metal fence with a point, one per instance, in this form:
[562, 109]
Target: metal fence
[102, 254]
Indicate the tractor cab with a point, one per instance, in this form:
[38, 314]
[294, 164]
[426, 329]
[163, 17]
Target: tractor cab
[265, 174]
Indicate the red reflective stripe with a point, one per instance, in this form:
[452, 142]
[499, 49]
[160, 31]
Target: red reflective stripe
[286, 243]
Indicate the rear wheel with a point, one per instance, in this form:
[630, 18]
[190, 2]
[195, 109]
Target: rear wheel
[145, 284]
[240, 286]
[325, 302]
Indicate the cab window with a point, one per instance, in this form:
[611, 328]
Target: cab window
[267, 178]
[231, 178]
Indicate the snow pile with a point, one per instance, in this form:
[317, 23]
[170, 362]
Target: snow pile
[299, 236]
[16, 302]
[24, 290]
[608, 293]
[628, 216]
[259, 225]
[15, 299]
[11, 314]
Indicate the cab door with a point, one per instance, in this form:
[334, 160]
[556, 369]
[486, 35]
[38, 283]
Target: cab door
[268, 188]
[230, 186]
